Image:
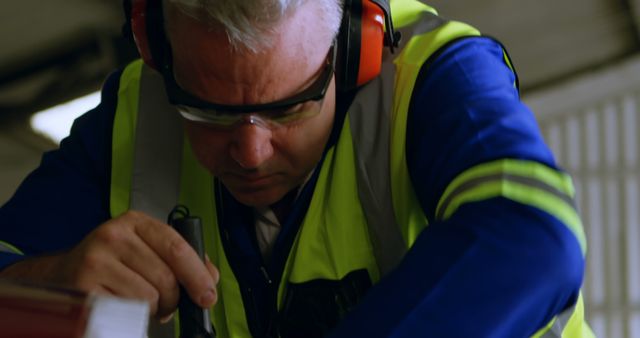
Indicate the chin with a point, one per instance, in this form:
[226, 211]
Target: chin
[258, 198]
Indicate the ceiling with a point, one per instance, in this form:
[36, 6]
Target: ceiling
[57, 49]
[550, 40]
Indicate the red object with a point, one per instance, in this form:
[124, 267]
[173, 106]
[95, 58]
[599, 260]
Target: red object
[372, 34]
[139, 29]
[27, 311]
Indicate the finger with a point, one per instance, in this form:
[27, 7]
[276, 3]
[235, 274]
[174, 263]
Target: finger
[128, 284]
[101, 290]
[215, 274]
[189, 269]
[166, 319]
[102, 272]
[139, 257]
[118, 238]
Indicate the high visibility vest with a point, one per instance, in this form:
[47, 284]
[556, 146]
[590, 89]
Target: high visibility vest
[363, 180]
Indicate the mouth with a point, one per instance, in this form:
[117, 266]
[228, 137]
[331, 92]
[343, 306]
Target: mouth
[253, 181]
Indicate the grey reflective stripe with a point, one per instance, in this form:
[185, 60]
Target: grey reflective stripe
[157, 150]
[425, 24]
[6, 247]
[559, 324]
[531, 182]
[369, 116]
[370, 119]
[157, 158]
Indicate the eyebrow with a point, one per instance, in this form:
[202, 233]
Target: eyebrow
[179, 96]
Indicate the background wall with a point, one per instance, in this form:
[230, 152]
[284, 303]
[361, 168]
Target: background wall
[578, 64]
[591, 124]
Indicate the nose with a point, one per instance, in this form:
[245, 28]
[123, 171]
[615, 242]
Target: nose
[251, 145]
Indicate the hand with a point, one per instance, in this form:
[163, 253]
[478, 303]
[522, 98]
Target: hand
[133, 256]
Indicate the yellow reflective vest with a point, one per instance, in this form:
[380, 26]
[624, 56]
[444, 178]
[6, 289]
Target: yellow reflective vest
[362, 185]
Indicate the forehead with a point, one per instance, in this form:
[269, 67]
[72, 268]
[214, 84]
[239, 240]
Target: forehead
[208, 65]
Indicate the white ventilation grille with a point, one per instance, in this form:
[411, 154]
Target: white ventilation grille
[593, 125]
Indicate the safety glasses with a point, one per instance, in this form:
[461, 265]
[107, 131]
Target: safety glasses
[271, 115]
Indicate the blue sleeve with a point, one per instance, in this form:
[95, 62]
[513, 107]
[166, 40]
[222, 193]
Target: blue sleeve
[496, 268]
[67, 195]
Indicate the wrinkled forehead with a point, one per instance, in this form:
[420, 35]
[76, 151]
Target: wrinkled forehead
[204, 60]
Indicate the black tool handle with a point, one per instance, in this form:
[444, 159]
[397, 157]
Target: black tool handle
[194, 320]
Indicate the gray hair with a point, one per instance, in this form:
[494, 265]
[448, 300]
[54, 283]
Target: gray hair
[249, 22]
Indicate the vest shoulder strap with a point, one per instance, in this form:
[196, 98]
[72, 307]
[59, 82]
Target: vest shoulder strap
[157, 150]
[369, 118]
[370, 122]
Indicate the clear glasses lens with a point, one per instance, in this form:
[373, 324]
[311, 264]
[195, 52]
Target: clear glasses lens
[269, 119]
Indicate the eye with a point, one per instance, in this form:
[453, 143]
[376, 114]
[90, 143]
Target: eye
[283, 113]
[299, 112]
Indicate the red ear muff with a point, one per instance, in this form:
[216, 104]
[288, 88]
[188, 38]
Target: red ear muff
[139, 30]
[371, 42]
[360, 44]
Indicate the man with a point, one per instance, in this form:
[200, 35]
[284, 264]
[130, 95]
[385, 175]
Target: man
[307, 179]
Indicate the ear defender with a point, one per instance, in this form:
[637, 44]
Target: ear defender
[147, 28]
[139, 30]
[360, 44]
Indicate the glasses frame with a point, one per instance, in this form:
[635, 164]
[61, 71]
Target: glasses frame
[315, 92]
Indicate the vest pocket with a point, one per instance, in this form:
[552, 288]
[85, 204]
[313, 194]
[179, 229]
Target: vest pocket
[312, 308]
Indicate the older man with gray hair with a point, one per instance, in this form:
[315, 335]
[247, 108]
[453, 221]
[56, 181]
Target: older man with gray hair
[361, 169]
